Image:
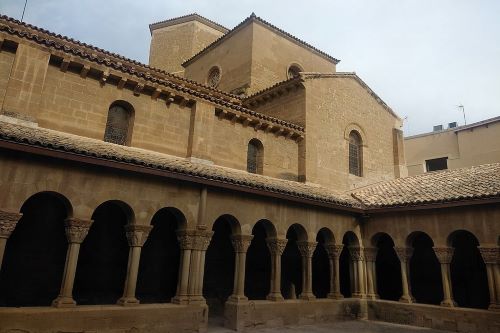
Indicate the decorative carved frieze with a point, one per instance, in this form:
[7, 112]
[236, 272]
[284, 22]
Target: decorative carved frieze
[306, 248]
[137, 234]
[241, 243]
[404, 253]
[8, 223]
[444, 254]
[356, 254]
[371, 253]
[276, 246]
[333, 250]
[490, 254]
[76, 229]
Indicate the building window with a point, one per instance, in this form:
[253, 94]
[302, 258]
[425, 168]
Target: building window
[214, 77]
[436, 164]
[355, 154]
[255, 156]
[294, 71]
[119, 123]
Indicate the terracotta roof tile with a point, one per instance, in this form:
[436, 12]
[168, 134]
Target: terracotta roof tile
[477, 182]
[91, 147]
[192, 16]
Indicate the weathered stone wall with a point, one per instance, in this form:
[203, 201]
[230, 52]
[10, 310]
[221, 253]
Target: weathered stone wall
[172, 45]
[6, 61]
[290, 106]
[335, 106]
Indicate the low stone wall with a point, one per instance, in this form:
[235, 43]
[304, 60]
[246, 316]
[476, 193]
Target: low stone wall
[437, 317]
[261, 314]
[110, 318]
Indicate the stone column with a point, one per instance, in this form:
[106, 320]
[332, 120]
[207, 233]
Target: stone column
[186, 242]
[371, 258]
[404, 254]
[491, 256]
[276, 248]
[136, 236]
[334, 256]
[202, 239]
[240, 244]
[8, 222]
[306, 251]
[76, 231]
[357, 258]
[444, 255]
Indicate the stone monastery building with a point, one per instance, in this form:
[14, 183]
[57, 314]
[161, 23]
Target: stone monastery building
[237, 176]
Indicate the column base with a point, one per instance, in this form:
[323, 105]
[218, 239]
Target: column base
[494, 307]
[372, 296]
[180, 300]
[307, 297]
[128, 301]
[63, 302]
[356, 295]
[335, 296]
[197, 300]
[237, 299]
[406, 299]
[275, 297]
[448, 303]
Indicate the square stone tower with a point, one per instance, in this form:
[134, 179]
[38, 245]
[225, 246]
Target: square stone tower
[175, 40]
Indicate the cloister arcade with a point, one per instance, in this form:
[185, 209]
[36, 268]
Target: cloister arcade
[52, 258]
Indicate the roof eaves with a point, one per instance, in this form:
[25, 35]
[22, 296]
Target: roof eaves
[187, 18]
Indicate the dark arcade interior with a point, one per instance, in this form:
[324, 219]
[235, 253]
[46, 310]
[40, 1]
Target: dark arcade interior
[345, 264]
[258, 262]
[388, 268]
[291, 263]
[102, 263]
[321, 265]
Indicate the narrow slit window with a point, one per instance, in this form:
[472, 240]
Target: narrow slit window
[355, 154]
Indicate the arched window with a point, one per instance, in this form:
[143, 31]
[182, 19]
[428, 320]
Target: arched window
[293, 71]
[214, 76]
[355, 154]
[255, 156]
[119, 123]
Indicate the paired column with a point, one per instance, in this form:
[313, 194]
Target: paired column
[334, 256]
[444, 255]
[76, 231]
[306, 251]
[404, 255]
[276, 248]
[371, 273]
[201, 241]
[357, 257]
[186, 242]
[240, 244]
[136, 236]
[491, 259]
[8, 222]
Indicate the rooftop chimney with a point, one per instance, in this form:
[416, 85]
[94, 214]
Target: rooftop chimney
[437, 128]
[452, 125]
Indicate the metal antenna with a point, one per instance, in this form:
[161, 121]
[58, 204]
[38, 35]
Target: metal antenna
[24, 9]
[463, 111]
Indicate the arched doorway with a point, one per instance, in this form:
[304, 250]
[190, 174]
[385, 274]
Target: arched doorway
[258, 262]
[346, 265]
[102, 263]
[159, 265]
[388, 268]
[321, 264]
[35, 253]
[425, 270]
[291, 263]
[468, 271]
[220, 264]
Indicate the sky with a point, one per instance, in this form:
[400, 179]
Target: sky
[422, 57]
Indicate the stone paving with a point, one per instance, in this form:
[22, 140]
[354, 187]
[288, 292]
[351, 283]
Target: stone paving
[359, 326]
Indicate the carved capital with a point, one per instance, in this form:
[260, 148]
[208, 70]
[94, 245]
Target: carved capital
[186, 239]
[306, 248]
[241, 243]
[137, 234]
[76, 229]
[8, 223]
[404, 253]
[333, 250]
[356, 254]
[202, 239]
[444, 254]
[276, 246]
[490, 254]
[371, 253]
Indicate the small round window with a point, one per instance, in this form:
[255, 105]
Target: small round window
[213, 77]
[294, 71]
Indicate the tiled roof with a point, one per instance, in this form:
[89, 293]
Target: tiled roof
[132, 67]
[60, 141]
[254, 18]
[187, 18]
[477, 182]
